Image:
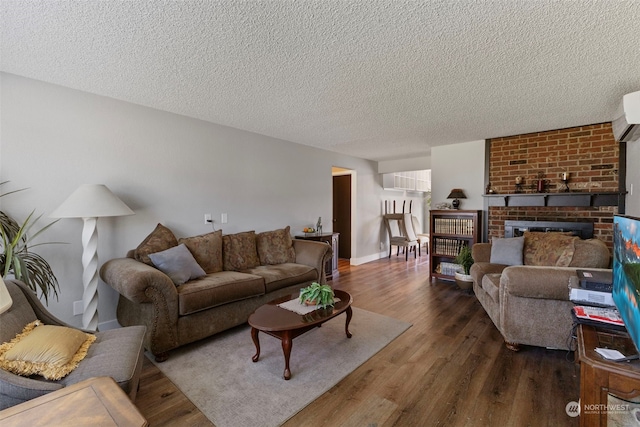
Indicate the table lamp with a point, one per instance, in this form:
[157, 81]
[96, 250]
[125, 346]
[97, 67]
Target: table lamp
[90, 202]
[456, 194]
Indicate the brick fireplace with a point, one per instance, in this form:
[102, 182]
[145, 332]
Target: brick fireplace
[589, 154]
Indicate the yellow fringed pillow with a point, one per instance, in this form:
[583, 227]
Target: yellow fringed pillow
[47, 350]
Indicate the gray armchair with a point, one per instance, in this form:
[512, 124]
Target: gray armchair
[116, 353]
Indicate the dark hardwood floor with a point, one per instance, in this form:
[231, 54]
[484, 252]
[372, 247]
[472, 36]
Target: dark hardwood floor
[450, 368]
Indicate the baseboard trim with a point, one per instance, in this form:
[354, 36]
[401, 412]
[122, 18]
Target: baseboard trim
[368, 258]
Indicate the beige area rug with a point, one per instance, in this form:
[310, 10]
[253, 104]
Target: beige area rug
[218, 376]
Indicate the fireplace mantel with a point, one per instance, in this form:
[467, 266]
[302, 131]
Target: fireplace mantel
[556, 199]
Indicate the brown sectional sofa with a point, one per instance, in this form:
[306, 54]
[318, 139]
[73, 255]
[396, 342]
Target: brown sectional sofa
[231, 277]
[529, 303]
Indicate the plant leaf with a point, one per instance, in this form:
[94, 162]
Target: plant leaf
[16, 258]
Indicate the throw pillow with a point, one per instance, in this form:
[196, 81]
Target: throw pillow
[207, 250]
[46, 350]
[507, 251]
[548, 249]
[239, 251]
[275, 247]
[178, 264]
[161, 238]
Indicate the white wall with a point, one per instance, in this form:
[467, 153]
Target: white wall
[403, 165]
[633, 177]
[458, 166]
[168, 168]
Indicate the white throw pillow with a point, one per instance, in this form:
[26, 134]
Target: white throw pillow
[507, 251]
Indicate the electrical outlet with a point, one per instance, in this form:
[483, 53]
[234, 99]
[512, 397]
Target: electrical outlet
[631, 189]
[77, 308]
[381, 245]
[207, 218]
[223, 218]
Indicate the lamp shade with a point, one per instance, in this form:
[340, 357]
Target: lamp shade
[91, 201]
[456, 193]
[5, 298]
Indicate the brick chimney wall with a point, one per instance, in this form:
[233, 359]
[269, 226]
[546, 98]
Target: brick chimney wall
[589, 154]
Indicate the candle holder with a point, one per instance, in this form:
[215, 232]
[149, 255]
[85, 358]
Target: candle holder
[541, 183]
[564, 177]
[519, 182]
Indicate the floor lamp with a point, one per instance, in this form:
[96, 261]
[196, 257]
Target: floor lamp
[91, 202]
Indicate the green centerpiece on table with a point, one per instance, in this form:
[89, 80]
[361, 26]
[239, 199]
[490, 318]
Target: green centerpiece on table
[317, 294]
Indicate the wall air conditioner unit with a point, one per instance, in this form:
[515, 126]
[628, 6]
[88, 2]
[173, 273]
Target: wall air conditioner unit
[626, 123]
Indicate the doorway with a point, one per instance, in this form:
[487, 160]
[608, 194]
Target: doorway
[342, 213]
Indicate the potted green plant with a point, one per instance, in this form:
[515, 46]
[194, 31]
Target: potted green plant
[317, 294]
[17, 259]
[465, 260]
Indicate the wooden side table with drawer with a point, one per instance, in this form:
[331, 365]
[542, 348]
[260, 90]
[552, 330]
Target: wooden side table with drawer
[600, 378]
[94, 402]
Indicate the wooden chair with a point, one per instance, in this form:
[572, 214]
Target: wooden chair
[423, 238]
[400, 230]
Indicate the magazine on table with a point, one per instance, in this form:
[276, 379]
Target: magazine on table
[599, 315]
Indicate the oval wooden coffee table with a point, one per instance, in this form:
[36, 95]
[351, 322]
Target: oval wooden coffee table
[286, 325]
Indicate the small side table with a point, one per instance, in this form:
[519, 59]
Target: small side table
[94, 402]
[331, 239]
[599, 377]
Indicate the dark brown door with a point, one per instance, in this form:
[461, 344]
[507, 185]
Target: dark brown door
[342, 213]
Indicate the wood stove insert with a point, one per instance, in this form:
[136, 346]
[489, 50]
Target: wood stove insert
[514, 228]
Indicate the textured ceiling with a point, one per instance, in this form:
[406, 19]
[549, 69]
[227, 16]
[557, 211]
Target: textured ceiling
[379, 80]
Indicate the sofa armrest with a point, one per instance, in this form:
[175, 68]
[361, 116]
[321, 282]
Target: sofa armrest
[480, 269]
[537, 282]
[16, 389]
[132, 279]
[481, 252]
[314, 254]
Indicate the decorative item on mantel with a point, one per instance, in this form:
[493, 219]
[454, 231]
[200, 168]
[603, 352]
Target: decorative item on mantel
[519, 182]
[456, 194]
[564, 177]
[541, 186]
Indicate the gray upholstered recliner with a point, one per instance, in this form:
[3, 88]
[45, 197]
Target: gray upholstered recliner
[116, 353]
